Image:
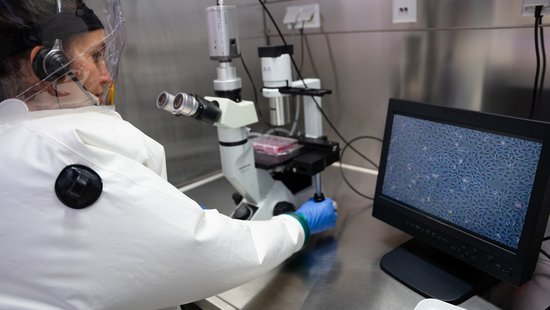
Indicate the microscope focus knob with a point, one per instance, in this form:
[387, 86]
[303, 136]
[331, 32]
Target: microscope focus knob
[243, 212]
[283, 207]
[237, 198]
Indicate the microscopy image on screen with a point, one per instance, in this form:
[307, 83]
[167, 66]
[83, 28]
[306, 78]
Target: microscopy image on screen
[476, 180]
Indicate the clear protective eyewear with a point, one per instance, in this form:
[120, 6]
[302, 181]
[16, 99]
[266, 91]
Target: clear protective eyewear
[76, 64]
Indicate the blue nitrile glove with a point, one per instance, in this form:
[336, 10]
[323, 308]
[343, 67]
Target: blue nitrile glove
[320, 216]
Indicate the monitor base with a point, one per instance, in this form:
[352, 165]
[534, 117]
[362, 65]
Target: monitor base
[434, 274]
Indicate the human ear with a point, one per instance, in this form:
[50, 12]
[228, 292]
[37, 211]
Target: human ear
[27, 66]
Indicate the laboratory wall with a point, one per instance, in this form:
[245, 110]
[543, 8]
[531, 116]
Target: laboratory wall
[470, 54]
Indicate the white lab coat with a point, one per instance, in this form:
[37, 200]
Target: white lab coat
[142, 245]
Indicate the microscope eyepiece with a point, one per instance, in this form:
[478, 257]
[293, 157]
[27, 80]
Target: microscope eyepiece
[163, 99]
[186, 104]
[189, 105]
[178, 101]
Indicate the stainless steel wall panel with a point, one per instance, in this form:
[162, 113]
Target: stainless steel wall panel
[376, 15]
[463, 53]
[167, 49]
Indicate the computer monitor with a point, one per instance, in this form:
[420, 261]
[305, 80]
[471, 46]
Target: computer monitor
[471, 188]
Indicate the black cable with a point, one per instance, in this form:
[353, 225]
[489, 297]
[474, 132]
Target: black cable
[542, 250]
[301, 48]
[251, 80]
[538, 10]
[351, 186]
[273, 21]
[266, 35]
[342, 170]
[313, 67]
[360, 138]
[305, 85]
[332, 63]
[543, 73]
[331, 58]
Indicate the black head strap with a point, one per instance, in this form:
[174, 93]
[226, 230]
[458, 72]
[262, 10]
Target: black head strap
[58, 26]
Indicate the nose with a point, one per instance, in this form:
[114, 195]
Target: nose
[104, 74]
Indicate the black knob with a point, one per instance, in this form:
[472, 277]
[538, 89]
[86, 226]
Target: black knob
[318, 197]
[78, 186]
[237, 198]
[283, 207]
[242, 213]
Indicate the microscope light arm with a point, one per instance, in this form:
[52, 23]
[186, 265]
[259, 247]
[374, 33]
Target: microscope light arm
[313, 119]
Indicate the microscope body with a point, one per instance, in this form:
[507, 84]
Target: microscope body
[261, 195]
[266, 186]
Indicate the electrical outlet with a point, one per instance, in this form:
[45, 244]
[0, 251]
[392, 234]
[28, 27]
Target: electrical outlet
[303, 16]
[528, 7]
[404, 11]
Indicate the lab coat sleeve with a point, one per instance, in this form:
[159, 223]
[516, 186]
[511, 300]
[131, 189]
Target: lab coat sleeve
[142, 245]
[165, 250]
[155, 247]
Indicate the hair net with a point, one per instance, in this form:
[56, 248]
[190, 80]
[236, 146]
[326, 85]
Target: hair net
[60, 53]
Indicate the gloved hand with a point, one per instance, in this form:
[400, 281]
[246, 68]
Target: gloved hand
[320, 216]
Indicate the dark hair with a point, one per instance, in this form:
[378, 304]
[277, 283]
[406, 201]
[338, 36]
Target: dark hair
[14, 16]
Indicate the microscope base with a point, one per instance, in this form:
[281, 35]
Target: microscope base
[277, 202]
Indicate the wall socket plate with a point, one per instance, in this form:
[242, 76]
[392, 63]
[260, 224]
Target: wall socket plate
[528, 7]
[303, 16]
[404, 11]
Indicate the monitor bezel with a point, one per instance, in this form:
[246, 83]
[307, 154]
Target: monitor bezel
[521, 262]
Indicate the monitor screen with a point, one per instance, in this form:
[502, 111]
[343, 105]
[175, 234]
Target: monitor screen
[476, 180]
[469, 184]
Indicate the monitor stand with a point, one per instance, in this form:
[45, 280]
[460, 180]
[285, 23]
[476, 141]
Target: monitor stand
[434, 274]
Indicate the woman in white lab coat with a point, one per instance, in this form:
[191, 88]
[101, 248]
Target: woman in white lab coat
[87, 218]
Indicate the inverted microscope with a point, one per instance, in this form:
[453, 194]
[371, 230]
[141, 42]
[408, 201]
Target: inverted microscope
[267, 183]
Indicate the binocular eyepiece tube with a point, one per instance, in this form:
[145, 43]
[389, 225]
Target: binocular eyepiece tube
[189, 105]
[165, 101]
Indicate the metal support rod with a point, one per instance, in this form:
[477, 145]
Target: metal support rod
[318, 185]
[318, 188]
